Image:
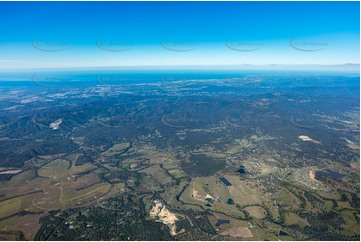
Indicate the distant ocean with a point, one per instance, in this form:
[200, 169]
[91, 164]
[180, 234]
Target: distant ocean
[116, 77]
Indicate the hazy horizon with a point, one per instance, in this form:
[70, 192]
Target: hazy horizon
[241, 67]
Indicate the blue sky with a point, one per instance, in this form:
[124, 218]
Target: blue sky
[86, 34]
